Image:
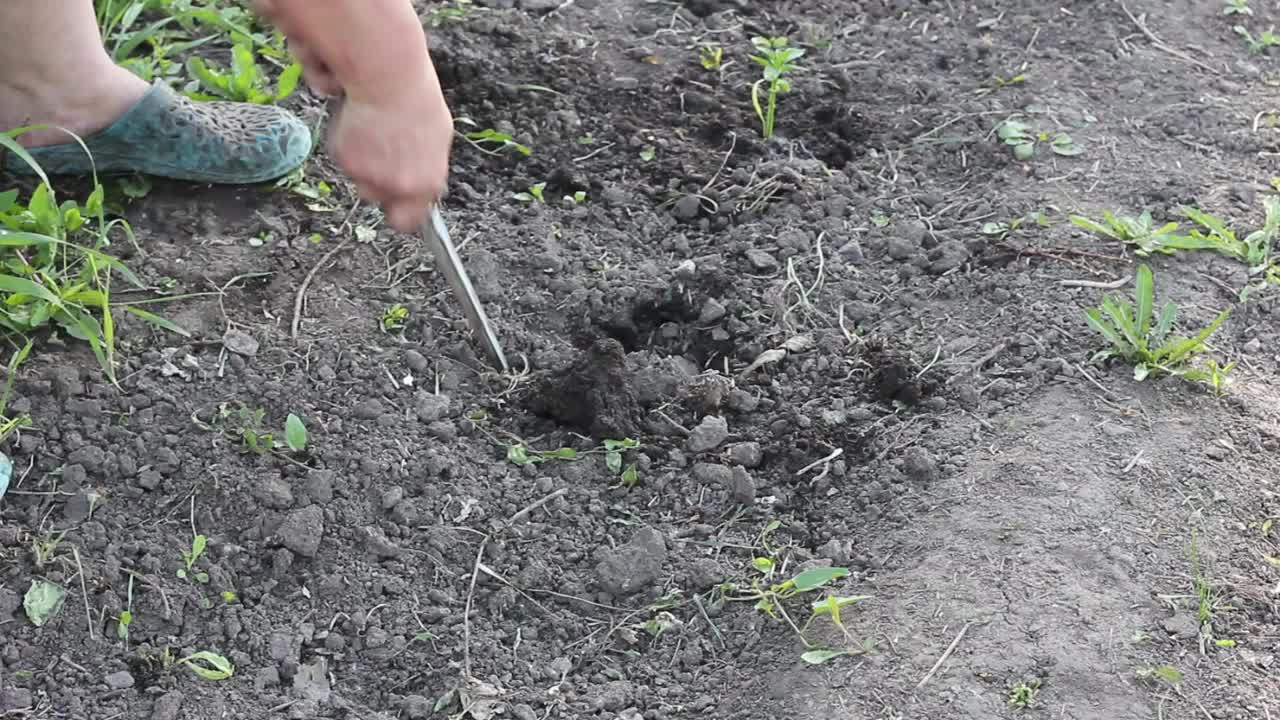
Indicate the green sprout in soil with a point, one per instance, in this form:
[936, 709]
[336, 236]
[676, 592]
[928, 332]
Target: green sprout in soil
[711, 57]
[248, 426]
[1266, 40]
[209, 665]
[393, 318]
[44, 547]
[243, 81]
[1142, 339]
[1237, 7]
[1163, 673]
[520, 455]
[1140, 232]
[577, 198]
[125, 618]
[1024, 139]
[10, 425]
[613, 460]
[533, 194]
[191, 557]
[770, 598]
[54, 272]
[491, 141]
[1023, 694]
[777, 60]
[456, 11]
[1255, 250]
[1001, 229]
[999, 82]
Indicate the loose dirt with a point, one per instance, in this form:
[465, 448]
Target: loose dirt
[819, 354]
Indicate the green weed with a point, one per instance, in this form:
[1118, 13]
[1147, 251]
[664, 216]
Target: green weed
[1140, 232]
[711, 57]
[1023, 694]
[1237, 7]
[456, 11]
[535, 193]
[190, 557]
[521, 455]
[243, 81]
[394, 317]
[248, 426]
[1264, 41]
[500, 140]
[1024, 139]
[1002, 229]
[776, 60]
[771, 598]
[125, 618]
[54, 272]
[209, 665]
[1143, 339]
[1164, 673]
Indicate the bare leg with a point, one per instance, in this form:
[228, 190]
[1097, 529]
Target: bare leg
[54, 70]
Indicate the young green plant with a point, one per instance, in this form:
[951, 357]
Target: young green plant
[1024, 138]
[48, 278]
[776, 60]
[243, 81]
[1143, 339]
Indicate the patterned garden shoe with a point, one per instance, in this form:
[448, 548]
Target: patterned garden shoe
[167, 135]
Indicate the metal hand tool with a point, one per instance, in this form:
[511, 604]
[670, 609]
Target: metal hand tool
[450, 265]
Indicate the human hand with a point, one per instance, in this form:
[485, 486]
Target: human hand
[396, 150]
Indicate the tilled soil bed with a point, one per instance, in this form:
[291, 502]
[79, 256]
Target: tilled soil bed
[837, 348]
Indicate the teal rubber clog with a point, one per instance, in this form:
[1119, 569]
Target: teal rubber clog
[167, 135]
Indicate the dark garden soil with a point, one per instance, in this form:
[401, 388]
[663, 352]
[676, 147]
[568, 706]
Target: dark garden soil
[811, 331]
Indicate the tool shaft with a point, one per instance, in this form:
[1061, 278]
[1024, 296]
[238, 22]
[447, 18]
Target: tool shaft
[450, 265]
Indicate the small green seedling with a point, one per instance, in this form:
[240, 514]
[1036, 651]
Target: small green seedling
[209, 666]
[190, 557]
[295, 433]
[125, 618]
[1000, 82]
[1023, 694]
[1237, 7]
[244, 81]
[770, 598]
[1266, 40]
[777, 60]
[577, 198]
[534, 193]
[648, 153]
[1023, 138]
[711, 57]
[613, 460]
[393, 318]
[521, 455]
[1163, 673]
[1003, 229]
[1141, 232]
[1145, 344]
[502, 141]
[457, 11]
[1255, 250]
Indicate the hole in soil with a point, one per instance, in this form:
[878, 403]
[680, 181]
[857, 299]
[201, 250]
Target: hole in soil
[145, 672]
[839, 132]
[895, 377]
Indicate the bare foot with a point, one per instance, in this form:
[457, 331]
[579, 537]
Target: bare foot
[81, 106]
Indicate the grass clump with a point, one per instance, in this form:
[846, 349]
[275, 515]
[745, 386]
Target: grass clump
[54, 272]
[1144, 339]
